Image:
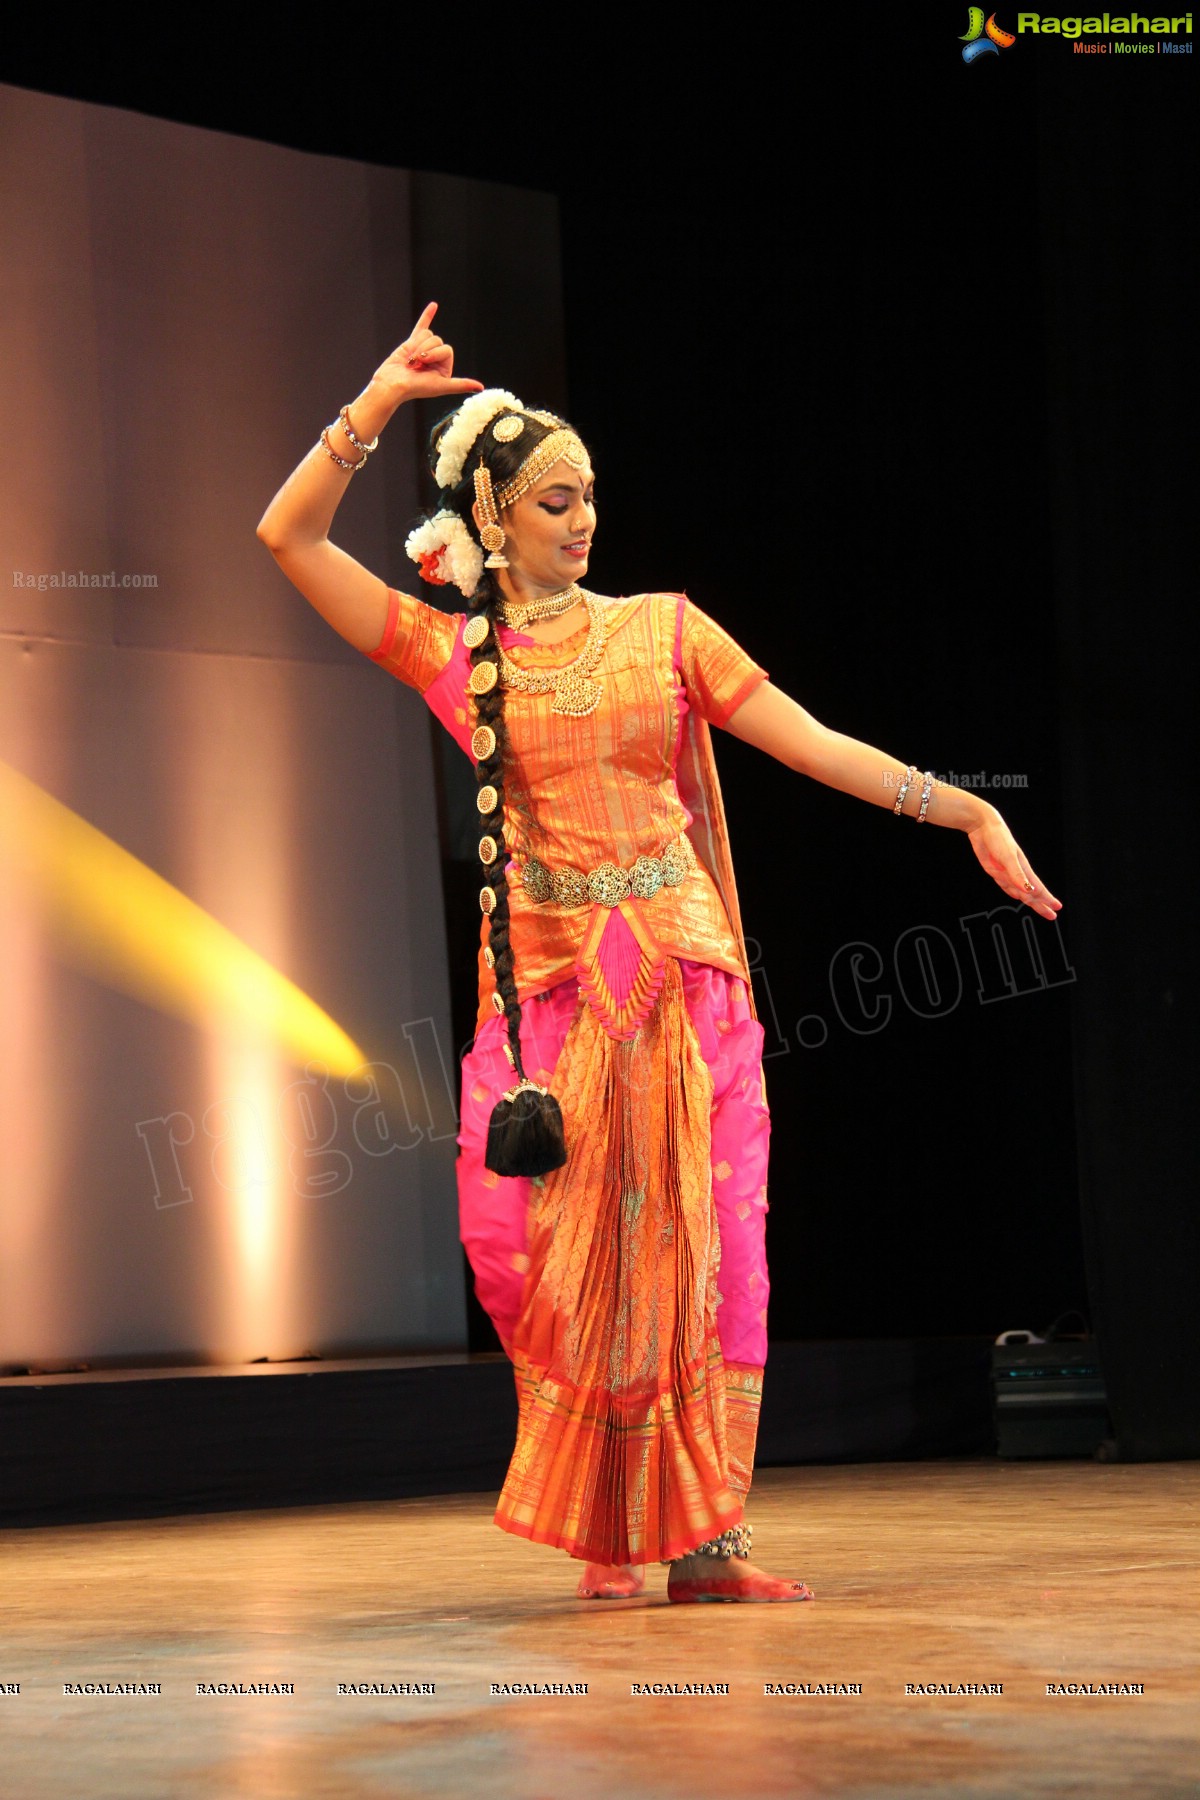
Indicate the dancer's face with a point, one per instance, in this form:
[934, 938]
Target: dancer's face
[549, 532]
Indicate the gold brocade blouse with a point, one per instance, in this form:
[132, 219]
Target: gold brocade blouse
[602, 788]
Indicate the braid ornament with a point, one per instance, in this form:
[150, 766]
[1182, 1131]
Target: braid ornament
[525, 1132]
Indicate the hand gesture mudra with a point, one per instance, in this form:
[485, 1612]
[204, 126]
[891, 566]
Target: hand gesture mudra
[422, 367]
[1003, 859]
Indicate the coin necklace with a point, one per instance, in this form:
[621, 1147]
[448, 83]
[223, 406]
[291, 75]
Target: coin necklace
[576, 694]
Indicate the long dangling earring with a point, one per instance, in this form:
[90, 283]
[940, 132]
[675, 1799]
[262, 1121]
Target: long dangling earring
[491, 532]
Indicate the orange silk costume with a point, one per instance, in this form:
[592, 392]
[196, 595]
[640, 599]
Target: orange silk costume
[636, 1435]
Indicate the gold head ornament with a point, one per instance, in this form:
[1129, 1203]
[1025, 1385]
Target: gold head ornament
[491, 532]
[561, 445]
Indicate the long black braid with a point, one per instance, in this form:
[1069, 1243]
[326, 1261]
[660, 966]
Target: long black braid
[525, 1134]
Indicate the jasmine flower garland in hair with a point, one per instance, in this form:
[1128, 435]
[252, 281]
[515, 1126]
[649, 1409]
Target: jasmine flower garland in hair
[458, 439]
[445, 551]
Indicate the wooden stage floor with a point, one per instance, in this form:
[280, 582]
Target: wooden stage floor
[942, 1573]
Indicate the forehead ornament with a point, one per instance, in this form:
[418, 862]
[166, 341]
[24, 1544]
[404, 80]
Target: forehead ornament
[561, 445]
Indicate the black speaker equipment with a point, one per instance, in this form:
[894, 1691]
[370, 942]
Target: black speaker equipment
[1048, 1399]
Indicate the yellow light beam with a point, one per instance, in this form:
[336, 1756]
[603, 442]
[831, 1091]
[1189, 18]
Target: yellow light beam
[112, 916]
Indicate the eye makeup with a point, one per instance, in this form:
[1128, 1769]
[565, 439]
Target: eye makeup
[589, 499]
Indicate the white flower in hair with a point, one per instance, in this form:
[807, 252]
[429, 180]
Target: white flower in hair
[445, 551]
[472, 417]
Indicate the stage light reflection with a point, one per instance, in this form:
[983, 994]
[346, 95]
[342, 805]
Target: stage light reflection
[255, 1312]
[31, 1135]
[109, 914]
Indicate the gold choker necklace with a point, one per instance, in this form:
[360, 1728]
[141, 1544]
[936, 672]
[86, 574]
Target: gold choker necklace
[516, 614]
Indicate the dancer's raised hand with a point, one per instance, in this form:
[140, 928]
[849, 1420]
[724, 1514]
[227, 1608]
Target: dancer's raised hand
[422, 367]
[296, 524]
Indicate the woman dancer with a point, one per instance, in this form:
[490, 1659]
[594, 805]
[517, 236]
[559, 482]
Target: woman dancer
[612, 1196]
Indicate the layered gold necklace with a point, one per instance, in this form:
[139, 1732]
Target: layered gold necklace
[575, 692]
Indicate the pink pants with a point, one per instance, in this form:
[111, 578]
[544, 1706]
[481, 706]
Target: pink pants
[493, 1208]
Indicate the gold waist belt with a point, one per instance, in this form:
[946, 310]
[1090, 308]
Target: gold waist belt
[608, 885]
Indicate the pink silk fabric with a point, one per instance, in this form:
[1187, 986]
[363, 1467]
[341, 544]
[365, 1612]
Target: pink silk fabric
[494, 1209]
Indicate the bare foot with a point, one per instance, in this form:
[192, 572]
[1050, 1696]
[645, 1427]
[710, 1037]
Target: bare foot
[733, 1578]
[609, 1581]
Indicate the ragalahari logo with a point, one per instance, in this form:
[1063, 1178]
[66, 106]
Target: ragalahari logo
[983, 39]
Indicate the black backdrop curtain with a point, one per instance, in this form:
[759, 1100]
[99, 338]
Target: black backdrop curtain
[1120, 361]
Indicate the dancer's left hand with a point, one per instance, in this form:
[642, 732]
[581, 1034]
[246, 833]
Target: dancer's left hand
[1004, 860]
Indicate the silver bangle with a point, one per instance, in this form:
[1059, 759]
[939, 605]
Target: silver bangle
[357, 442]
[926, 790]
[904, 787]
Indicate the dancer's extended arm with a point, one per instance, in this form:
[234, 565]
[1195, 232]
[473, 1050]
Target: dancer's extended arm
[772, 721]
[295, 527]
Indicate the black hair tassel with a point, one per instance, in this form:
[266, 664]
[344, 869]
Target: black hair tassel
[525, 1133]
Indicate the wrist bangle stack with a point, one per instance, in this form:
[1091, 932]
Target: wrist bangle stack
[343, 462]
[927, 786]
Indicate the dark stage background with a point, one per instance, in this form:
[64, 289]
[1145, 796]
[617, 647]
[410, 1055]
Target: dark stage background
[885, 359]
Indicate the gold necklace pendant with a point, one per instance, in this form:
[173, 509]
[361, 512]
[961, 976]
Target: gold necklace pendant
[576, 697]
[576, 694]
